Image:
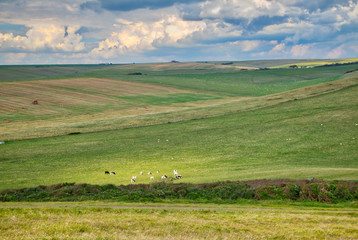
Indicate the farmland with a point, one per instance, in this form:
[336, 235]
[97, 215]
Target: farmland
[105, 97]
[298, 123]
[215, 122]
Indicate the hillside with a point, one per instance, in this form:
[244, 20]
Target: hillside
[108, 97]
[313, 136]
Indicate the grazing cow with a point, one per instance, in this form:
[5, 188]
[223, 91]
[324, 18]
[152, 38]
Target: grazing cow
[164, 177]
[175, 172]
[158, 171]
[35, 102]
[106, 172]
[151, 178]
[141, 173]
[134, 177]
[113, 173]
[149, 173]
[178, 176]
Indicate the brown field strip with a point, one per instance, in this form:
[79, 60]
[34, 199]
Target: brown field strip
[70, 101]
[89, 112]
[55, 95]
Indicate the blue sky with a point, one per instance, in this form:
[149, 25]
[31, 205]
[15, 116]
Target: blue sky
[125, 31]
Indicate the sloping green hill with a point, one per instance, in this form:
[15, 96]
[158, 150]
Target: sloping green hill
[110, 97]
[310, 137]
[10, 73]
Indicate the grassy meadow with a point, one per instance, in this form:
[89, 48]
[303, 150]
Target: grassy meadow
[309, 137]
[106, 97]
[244, 221]
[211, 121]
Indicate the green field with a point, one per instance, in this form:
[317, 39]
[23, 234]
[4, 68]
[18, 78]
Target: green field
[270, 136]
[314, 137]
[113, 221]
[212, 121]
[105, 97]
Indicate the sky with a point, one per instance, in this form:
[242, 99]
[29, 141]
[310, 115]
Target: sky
[127, 31]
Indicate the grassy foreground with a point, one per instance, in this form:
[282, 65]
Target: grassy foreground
[113, 221]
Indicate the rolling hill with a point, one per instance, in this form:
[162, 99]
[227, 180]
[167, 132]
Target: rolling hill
[302, 128]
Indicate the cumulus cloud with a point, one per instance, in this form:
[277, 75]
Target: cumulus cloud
[301, 50]
[236, 9]
[296, 31]
[45, 37]
[336, 52]
[171, 31]
[252, 45]
[96, 30]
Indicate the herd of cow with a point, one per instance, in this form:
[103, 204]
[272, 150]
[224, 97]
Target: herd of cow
[134, 178]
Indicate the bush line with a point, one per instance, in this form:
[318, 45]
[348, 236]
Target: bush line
[229, 191]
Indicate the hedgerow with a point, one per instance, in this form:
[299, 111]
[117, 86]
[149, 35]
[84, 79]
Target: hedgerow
[311, 190]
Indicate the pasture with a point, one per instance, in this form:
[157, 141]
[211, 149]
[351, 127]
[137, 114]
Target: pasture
[217, 124]
[311, 137]
[210, 121]
[113, 221]
[108, 98]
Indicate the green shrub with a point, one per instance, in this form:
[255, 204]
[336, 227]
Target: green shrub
[292, 191]
[214, 192]
[342, 192]
[316, 192]
[270, 192]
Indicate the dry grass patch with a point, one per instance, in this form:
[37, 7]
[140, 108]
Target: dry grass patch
[120, 112]
[152, 223]
[74, 96]
[16, 96]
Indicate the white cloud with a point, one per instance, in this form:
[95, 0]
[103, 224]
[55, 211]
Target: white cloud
[235, 9]
[297, 31]
[171, 31]
[336, 52]
[278, 48]
[211, 29]
[300, 50]
[45, 37]
[252, 45]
